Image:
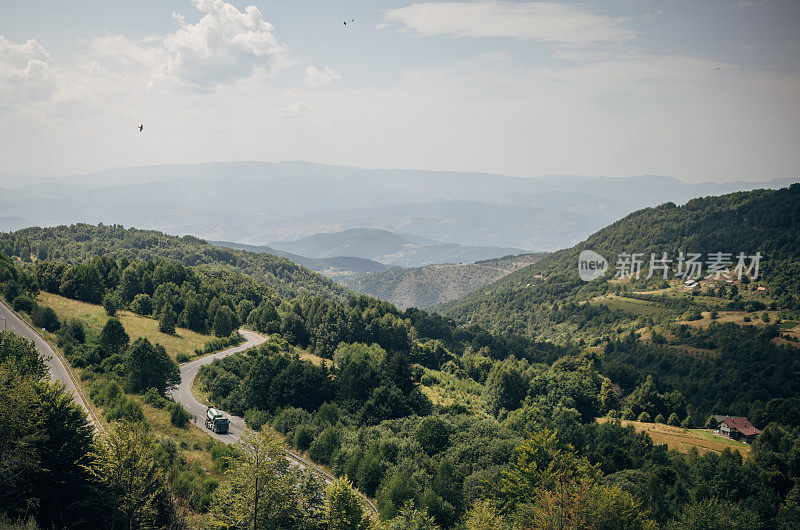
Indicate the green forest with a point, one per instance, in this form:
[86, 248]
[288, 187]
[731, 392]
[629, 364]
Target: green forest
[519, 406]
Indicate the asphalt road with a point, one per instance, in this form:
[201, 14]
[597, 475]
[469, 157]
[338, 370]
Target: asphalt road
[183, 393]
[55, 363]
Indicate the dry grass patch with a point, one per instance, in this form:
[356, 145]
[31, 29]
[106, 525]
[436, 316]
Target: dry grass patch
[682, 440]
[183, 341]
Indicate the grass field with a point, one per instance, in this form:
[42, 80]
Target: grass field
[680, 439]
[183, 341]
[630, 305]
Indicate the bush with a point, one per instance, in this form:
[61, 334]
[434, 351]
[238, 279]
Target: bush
[179, 416]
[673, 420]
[659, 418]
[24, 303]
[154, 399]
[256, 418]
[110, 304]
[644, 418]
[433, 435]
[45, 317]
[142, 304]
[182, 357]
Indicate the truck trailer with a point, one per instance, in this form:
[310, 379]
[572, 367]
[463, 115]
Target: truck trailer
[215, 421]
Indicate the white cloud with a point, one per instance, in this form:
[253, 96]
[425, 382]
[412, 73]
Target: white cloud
[25, 72]
[224, 46]
[545, 22]
[316, 77]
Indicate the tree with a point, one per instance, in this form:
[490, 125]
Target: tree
[166, 322]
[142, 305]
[260, 492]
[433, 435]
[45, 317]
[83, 282]
[45, 442]
[505, 386]
[179, 416]
[411, 518]
[125, 463]
[148, 365]
[113, 338]
[194, 315]
[673, 420]
[111, 304]
[225, 322]
[344, 508]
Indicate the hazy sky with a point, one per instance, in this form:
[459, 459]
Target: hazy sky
[699, 90]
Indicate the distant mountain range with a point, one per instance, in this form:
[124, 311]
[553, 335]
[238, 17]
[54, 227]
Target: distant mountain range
[404, 250]
[334, 266]
[259, 202]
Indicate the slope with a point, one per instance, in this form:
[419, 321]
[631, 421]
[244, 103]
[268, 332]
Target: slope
[433, 284]
[75, 243]
[766, 221]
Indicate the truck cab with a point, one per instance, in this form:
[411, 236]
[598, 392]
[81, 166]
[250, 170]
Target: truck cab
[216, 422]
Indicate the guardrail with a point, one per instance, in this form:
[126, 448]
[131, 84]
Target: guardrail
[87, 404]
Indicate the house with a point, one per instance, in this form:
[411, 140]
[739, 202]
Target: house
[736, 428]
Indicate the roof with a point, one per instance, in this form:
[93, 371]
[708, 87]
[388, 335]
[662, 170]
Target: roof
[741, 424]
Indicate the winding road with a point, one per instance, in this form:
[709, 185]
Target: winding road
[60, 371]
[56, 364]
[183, 393]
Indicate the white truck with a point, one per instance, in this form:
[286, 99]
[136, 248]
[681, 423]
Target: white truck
[215, 421]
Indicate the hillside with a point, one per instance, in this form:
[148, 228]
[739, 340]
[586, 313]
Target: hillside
[434, 284]
[763, 221]
[76, 243]
[389, 248]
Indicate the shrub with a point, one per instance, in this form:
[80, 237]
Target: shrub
[673, 420]
[154, 399]
[644, 417]
[142, 304]
[179, 416]
[24, 303]
[659, 418]
[45, 317]
[256, 418]
[182, 357]
[111, 304]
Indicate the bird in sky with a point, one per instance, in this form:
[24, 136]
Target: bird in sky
[716, 68]
[141, 126]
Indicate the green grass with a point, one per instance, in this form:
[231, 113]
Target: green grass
[631, 305]
[93, 315]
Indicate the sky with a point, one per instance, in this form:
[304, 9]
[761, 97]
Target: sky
[699, 90]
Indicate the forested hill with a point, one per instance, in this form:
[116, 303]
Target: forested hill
[766, 221]
[79, 242]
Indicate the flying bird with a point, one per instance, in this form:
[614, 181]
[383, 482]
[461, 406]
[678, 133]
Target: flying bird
[716, 68]
[141, 127]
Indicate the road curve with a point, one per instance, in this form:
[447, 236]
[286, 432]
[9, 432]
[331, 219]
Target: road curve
[56, 364]
[183, 395]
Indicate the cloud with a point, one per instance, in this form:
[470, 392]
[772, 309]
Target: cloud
[550, 23]
[26, 72]
[316, 77]
[224, 46]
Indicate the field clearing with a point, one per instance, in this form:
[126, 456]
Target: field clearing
[631, 305]
[93, 315]
[682, 440]
[737, 317]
